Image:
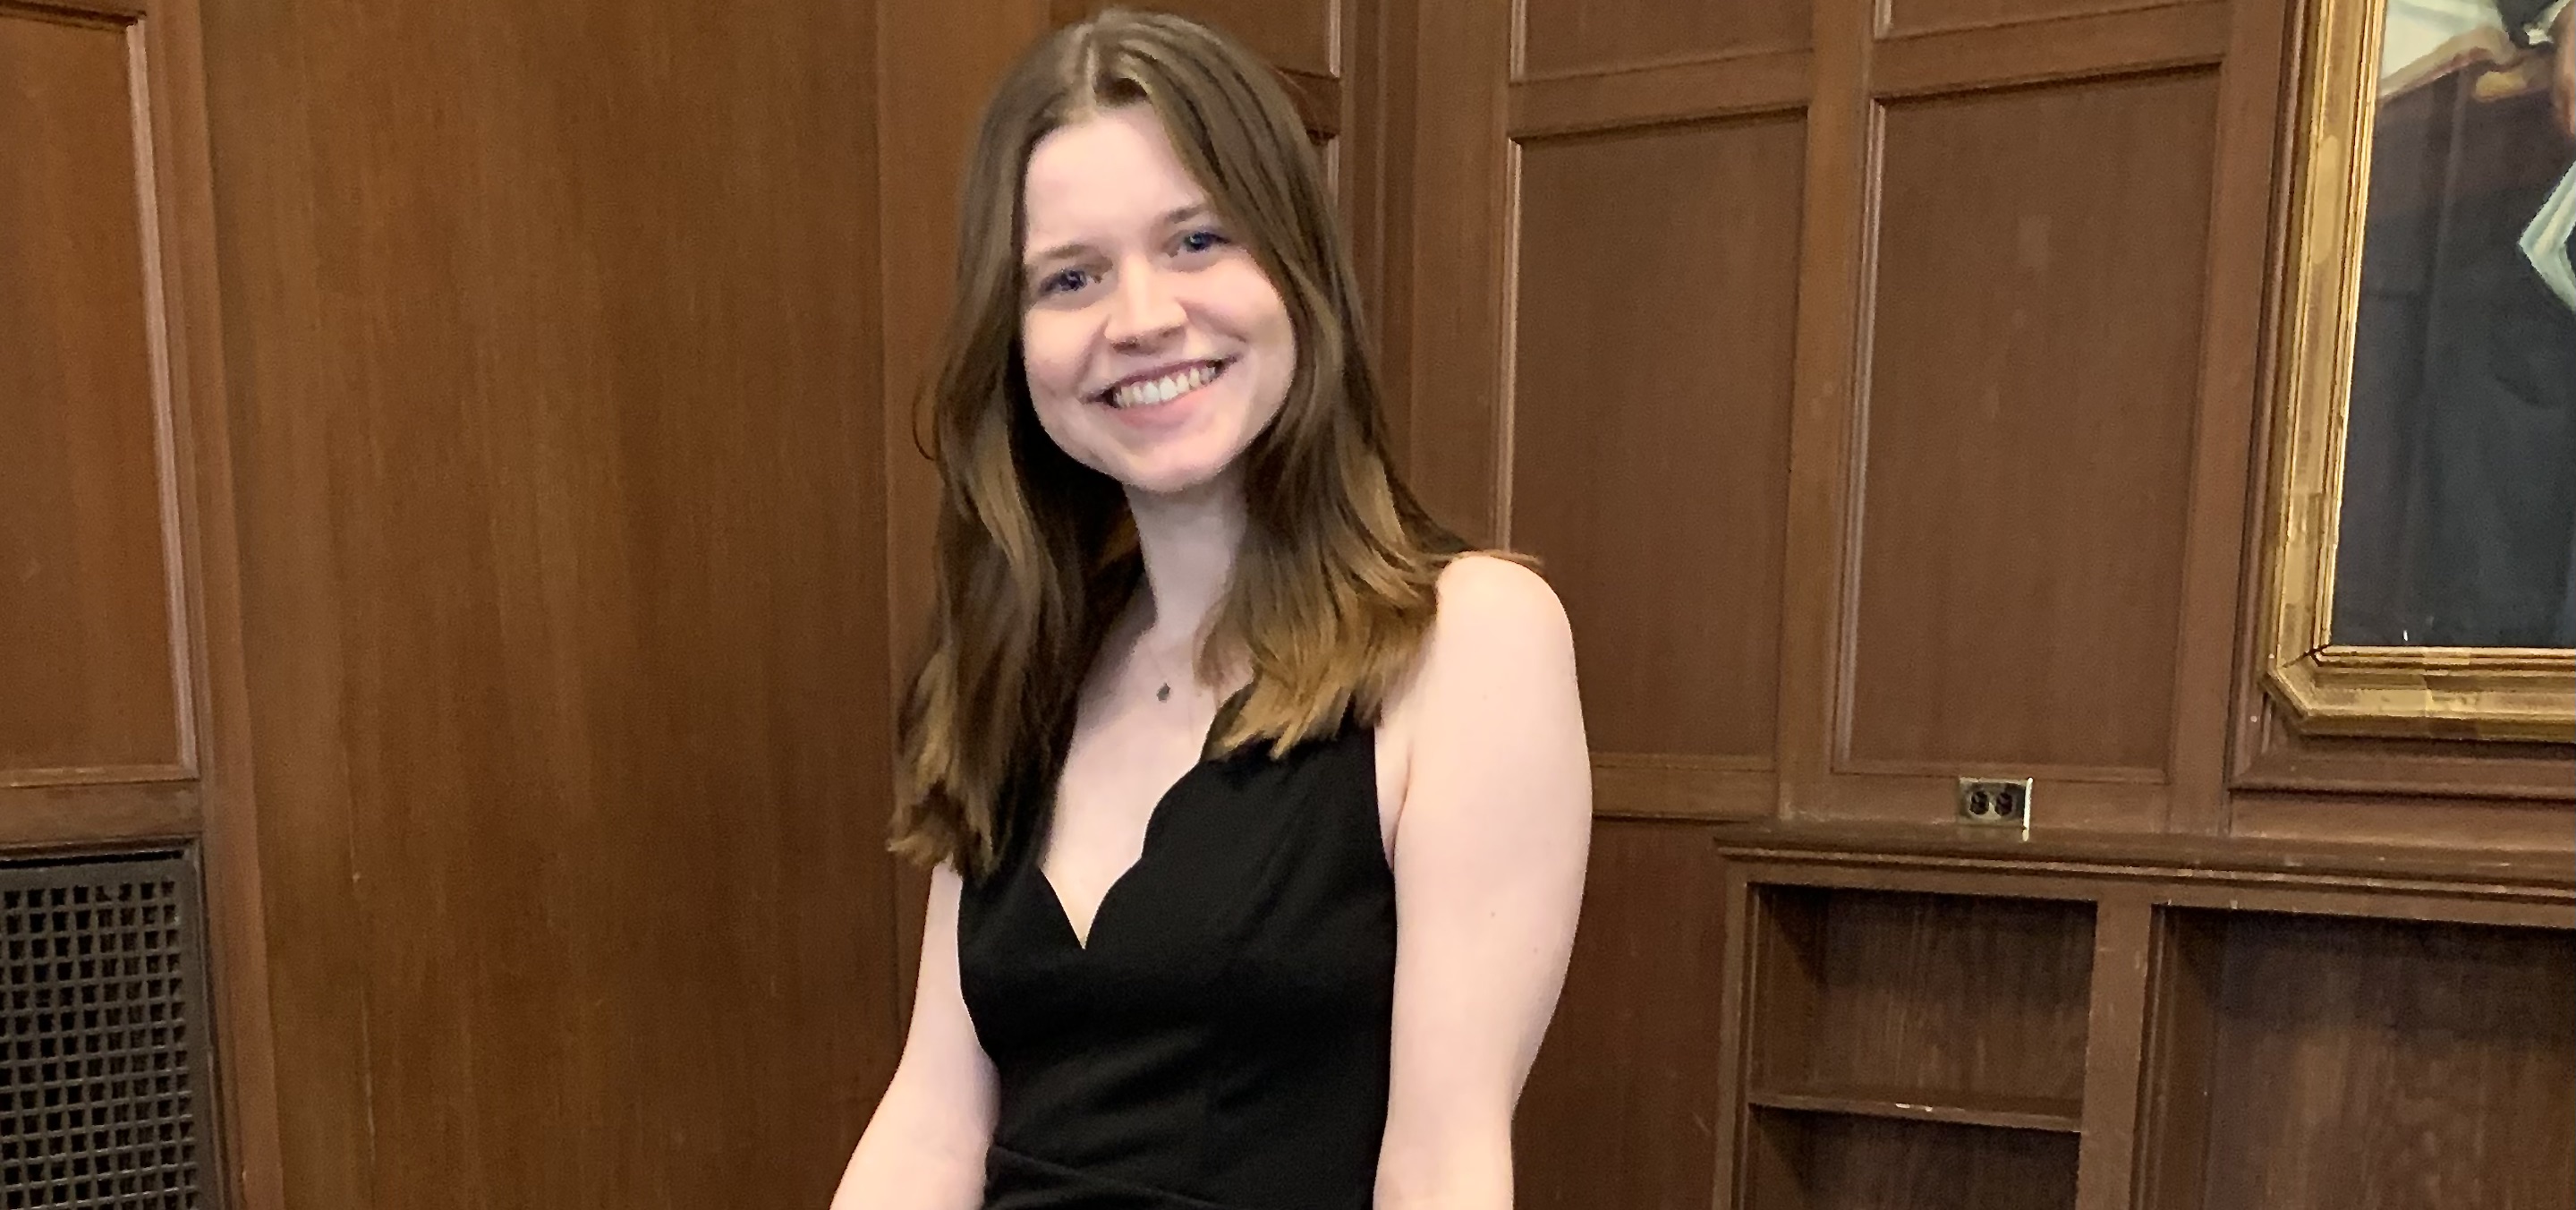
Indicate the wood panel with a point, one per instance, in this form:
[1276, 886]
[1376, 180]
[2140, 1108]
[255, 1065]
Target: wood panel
[1446, 279]
[1649, 419]
[560, 492]
[87, 653]
[1829, 1162]
[1917, 16]
[1888, 998]
[1775, 81]
[2241, 1034]
[1621, 1107]
[2071, 48]
[2036, 344]
[1579, 37]
[1824, 431]
[2389, 1065]
[61, 818]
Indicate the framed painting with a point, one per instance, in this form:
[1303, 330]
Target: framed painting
[2423, 539]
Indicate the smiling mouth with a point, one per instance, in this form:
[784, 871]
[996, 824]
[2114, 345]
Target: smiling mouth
[1162, 388]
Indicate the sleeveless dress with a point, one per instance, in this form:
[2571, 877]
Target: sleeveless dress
[1222, 1042]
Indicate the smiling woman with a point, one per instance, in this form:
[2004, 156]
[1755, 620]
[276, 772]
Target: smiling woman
[1156, 348]
[1213, 712]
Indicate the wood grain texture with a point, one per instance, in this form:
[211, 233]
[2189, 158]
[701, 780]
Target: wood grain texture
[1584, 37]
[2532, 830]
[1844, 1163]
[1917, 16]
[1906, 1105]
[1825, 422]
[2390, 1066]
[60, 818]
[2078, 986]
[2029, 419]
[2231, 403]
[2272, 754]
[1902, 997]
[1620, 1108]
[2124, 954]
[2071, 48]
[1775, 81]
[1649, 420]
[560, 481]
[1451, 284]
[88, 678]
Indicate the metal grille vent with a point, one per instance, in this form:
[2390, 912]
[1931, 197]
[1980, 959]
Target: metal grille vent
[101, 1031]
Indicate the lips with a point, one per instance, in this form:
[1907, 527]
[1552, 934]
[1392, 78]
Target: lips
[1160, 385]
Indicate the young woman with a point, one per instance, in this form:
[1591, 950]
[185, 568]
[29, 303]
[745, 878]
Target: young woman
[1257, 809]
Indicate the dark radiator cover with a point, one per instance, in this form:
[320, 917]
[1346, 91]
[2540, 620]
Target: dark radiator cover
[103, 1034]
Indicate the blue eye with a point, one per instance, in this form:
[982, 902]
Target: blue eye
[1202, 240]
[1063, 281]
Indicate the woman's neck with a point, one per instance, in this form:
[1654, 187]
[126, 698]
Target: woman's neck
[1188, 540]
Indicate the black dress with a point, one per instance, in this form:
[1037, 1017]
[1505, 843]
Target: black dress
[1222, 1043]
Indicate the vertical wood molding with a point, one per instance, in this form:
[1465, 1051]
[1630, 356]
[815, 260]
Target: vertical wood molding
[1733, 1128]
[2123, 946]
[1455, 374]
[2224, 491]
[195, 440]
[156, 196]
[1827, 423]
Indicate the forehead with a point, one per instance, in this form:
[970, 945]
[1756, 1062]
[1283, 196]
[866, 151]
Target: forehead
[1106, 176]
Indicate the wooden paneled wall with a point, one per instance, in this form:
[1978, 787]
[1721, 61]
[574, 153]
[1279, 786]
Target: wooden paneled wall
[445, 497]
[100, 714]
[558, 476]
[1883, 388]
[468, 486]
[1849, 374]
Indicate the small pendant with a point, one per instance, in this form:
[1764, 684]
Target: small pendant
[1163, 694]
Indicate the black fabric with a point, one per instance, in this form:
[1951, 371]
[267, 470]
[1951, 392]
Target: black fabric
[2459, 492]
[1222, 1043]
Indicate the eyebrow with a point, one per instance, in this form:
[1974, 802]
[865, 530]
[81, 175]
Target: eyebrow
[1068, 250]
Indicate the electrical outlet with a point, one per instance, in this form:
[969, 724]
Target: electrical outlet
[1995, 802]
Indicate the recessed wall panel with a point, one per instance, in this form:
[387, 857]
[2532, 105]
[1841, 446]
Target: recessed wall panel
[2032, 380]
[1655, 303]
[86, 678]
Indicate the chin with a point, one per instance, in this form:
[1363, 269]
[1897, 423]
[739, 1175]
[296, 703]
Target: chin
[1170, 480]
[1175, 468]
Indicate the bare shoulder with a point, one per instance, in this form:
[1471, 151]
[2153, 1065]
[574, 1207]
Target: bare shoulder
[1492, 694]
[1494, 608]
[1496, 618]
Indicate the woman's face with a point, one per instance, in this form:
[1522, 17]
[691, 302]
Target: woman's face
[1156, 349]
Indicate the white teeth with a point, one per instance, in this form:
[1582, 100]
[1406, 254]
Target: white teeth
[1154, 391]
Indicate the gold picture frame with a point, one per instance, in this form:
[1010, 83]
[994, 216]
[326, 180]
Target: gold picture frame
[2503, 693]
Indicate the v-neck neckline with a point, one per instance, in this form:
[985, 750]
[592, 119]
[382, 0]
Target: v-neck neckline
[1083, 939]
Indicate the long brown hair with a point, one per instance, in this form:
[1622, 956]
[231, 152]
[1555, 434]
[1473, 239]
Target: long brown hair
[1334, 585]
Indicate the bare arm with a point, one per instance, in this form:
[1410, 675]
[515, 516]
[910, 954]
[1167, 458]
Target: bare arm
[924, 1149]
[1490, 847]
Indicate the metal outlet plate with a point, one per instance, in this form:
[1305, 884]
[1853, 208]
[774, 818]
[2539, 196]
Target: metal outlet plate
[1995, 802]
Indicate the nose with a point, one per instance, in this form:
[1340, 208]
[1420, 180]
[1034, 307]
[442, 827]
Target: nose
[1143, 310]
